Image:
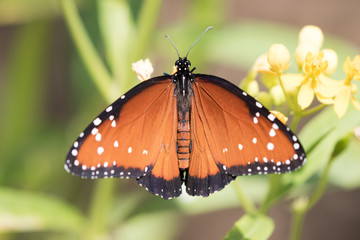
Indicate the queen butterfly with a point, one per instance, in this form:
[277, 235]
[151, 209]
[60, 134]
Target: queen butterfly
[189, 128]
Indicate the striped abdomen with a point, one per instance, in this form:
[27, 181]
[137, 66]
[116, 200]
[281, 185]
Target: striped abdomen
[183, 139]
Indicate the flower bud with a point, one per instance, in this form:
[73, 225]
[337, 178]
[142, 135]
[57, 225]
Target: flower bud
[311, 35]
[252, 88]
[277, 95]
[261, 64]
[143, 69]
[331, 57]
[278, 57]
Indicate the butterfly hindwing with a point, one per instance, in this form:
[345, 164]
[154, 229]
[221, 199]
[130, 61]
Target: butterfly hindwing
[234, 135]
[131, 139]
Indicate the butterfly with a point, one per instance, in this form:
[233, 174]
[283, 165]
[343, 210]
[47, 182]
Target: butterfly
[186, 128]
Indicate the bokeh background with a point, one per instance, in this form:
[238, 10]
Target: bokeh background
[47, 97]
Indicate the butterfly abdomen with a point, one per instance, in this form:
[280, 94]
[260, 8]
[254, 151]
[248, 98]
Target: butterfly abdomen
[183, 144]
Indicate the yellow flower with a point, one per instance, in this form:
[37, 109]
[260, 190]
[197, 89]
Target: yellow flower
[341, 102]
[280, 116]
[315, 82]
[143, 69]
[278, 57]
[348, 89]
[302, 51]
[352, 68]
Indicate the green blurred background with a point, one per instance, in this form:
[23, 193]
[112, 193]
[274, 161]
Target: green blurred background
[47, 97]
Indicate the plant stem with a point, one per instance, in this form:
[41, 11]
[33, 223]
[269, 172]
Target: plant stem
[312, 110]
[295, 122]
[300, 212]
[100, 207]
[297, 224]
[274, 182]
[148, 16]
[245, 202]
[101, 201]
[91, 59]
[293, 106]
[146, 24]
[319, 192]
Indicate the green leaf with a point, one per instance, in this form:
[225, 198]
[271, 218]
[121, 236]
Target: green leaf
[345, 170]
[22, 95]
[28, 211]
[117, 30]
[150, 226]
[319, 138]
[251, 227]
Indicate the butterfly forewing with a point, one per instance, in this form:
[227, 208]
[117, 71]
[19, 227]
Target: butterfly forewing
[236, 135]
[133, 137]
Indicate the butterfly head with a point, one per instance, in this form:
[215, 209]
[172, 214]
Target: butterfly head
[182, 65]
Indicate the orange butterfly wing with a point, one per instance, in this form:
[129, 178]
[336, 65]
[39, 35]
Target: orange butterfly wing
[233, 134]
[135, 137]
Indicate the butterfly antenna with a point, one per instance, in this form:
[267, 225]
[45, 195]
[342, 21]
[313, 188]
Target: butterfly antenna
[177, 51]
[198, 39]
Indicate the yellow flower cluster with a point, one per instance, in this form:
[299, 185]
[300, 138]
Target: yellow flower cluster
[313, 80]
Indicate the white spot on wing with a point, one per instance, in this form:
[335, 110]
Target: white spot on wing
[294, 138]
[76, 162]
[271, 117]
[94, 131]
[81, 134]
[129, 149]
[258, 105]
[255, 120]
[98, 137]
[113, 123]
[270, 146]
[97, 121]
[296, 146]
[116, 143]
[100, 150]
[254, 140]
[76, 144]
[109, 109]
[275, 126]
[111, 117]
[74, 152]
[145, 152]
[122, 97]
[240, 146]
[66, 168]
[272, 133]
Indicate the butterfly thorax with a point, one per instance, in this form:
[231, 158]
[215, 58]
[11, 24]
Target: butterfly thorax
[183, 91]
